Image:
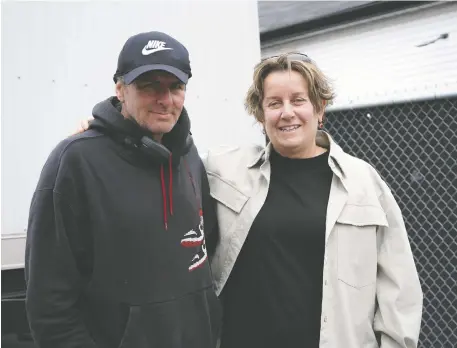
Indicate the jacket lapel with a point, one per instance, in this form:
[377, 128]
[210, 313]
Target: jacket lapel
[337, 200]
[338, 190]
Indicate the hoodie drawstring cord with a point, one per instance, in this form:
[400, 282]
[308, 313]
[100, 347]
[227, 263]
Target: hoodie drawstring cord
[164, 196]
[170, 193]
[170, 189]
[191, 178]
[164, 191]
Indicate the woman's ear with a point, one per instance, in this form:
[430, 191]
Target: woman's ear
[321, 116]
[264, 132]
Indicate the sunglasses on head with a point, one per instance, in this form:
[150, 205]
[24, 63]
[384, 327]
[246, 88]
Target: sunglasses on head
[292, 56]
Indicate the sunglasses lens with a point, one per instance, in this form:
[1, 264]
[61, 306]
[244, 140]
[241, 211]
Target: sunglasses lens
[292, 56]
[299, 56]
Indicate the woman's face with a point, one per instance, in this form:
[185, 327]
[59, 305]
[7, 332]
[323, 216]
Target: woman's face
[289, 117]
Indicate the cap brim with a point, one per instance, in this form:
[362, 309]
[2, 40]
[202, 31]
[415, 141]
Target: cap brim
[132, 75]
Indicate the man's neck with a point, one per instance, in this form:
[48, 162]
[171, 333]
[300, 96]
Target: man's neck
[155, 136]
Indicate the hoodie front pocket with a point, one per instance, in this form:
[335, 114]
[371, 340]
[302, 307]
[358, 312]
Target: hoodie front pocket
[133, 336]
[190, 321]
[356, 230]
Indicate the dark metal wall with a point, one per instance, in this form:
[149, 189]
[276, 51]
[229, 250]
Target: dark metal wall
[282, 19]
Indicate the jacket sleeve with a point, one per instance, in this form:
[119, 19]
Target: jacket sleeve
[399, 295]
[53, 264]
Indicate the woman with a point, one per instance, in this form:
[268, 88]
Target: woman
[312, 249]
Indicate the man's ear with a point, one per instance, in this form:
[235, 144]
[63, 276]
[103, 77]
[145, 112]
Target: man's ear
[120, 91]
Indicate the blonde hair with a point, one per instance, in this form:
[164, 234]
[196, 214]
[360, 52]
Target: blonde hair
[319, 88]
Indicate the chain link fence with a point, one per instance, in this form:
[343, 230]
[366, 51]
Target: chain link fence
[414, 147]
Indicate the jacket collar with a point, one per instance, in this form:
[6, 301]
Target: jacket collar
[337, 157]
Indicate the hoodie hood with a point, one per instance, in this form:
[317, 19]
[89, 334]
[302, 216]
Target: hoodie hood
[108, 117]
[175, 144]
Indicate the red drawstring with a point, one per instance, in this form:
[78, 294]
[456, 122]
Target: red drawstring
[164, 196]
[200, 210]
[164, 193]
[170, 193]
[170, 189]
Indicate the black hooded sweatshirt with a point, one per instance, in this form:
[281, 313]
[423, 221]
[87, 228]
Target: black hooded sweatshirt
[116, 254]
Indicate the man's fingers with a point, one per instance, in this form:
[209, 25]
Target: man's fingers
[84, 125]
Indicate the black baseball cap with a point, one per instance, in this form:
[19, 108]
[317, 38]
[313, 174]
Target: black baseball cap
[152, 51]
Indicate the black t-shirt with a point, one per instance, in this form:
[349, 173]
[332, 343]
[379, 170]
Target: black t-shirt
[274, 293]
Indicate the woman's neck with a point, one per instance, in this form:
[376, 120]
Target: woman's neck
[308, 152]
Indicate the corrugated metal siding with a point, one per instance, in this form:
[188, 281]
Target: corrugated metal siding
[379, 62]
[280, 14]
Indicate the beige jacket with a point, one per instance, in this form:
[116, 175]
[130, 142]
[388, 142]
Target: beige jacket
[371, 289]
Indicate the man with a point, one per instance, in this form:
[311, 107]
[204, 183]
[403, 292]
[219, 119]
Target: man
[116, 253]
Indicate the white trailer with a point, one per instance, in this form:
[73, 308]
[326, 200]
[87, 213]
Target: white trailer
[58, 59]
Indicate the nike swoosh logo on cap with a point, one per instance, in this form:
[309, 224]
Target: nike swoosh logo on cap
[147, 51]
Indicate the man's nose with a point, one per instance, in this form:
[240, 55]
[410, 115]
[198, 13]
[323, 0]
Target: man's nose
[164, 95]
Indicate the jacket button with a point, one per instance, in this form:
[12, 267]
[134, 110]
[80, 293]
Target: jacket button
[325, 319]
[325, 282]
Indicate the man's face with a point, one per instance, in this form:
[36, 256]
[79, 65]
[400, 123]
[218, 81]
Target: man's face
[154, 100]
